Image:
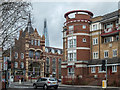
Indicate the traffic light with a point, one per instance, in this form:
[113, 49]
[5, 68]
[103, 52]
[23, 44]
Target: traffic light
[9, 64]
[103, 65]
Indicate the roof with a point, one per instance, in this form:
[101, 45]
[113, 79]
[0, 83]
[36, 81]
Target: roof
[110, 15]
[109, 61]
[74, 11]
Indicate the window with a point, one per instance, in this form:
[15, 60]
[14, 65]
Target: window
[53, 66]
[105, 54]
[46, 49]
[93, 69]
[35, 42]
[100, 69]
[22, 55]
[47, 65]
[95, 41]
[74, 42]
[37, 54]
[31, 42]
[59, 67]
[16, 64]
[38, 42]
[95, 55]
[16, 55]
[114, 52]
[114, 68]
[71, 56]
[108, 39]
[53, 51]
[71, 43]
[84, 39]
[22, 65]
[95, 27]
[71, 28]
[84, 26]
[70, 71]
[59, 52]
[31, 52]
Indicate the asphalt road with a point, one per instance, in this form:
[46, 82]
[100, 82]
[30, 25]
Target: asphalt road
[64, 88]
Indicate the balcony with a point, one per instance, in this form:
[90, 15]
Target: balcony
[110, 31]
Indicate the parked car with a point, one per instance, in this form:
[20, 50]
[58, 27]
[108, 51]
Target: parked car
[46, 83]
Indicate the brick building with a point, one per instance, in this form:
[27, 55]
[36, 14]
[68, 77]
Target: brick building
[86, 42]
[76, 45]
[105, 45]
[29, 56]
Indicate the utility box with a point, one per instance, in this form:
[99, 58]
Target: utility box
[104, 85]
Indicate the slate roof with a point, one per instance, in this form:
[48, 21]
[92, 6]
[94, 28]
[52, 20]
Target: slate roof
[109, 61]
[110, 15]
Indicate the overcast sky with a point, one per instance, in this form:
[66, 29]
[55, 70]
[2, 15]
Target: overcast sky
[54, 13]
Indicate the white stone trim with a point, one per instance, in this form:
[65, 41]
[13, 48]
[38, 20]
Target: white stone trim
[101, 65]
[75, 34]
[63, 66]
[80, 65]
[74, 48]
[69, 38]
[95, 33]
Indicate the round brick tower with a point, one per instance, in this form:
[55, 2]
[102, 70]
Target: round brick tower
[76, 44]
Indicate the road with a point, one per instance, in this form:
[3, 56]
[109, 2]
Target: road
[28, 86]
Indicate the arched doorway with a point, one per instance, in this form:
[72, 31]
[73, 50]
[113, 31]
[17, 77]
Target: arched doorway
[34, 69]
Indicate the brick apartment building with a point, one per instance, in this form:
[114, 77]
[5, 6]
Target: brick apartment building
[32, 59]
[86, 42]
[76, 45]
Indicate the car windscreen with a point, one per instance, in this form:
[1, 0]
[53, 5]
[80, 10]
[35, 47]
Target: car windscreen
[52, 79]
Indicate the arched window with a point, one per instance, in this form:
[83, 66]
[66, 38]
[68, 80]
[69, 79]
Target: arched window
[16, 64]
[22, 55]
[16, 55]
[22, 65]
[53, 65]
[53, 51]
[37, 54]
[31, 52]
[47, 65]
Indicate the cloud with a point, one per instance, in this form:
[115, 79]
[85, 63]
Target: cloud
[54, 13]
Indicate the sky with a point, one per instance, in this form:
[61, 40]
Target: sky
[54, 13]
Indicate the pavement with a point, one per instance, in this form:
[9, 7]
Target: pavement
[29, 84]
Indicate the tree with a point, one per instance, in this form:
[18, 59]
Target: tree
[13, 17]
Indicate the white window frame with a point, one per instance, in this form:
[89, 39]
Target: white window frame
[95, 55]
[95, 41]
[114, 52]
[94, 27]
[93, 69]
[72, 70]
[100, 70]
[84, 40]
[114, 68]
[106, 51]
[71, 27]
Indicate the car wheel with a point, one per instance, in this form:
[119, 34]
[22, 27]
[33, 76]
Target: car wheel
[35, 87]
[45, 87]
[55, 87]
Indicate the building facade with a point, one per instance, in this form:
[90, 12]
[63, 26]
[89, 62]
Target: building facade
[87, 42]
[30, 58]
[105, 45]
[76, 45]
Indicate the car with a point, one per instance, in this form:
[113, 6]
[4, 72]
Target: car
[46, 83]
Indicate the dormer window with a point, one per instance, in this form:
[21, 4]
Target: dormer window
[53, 51]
